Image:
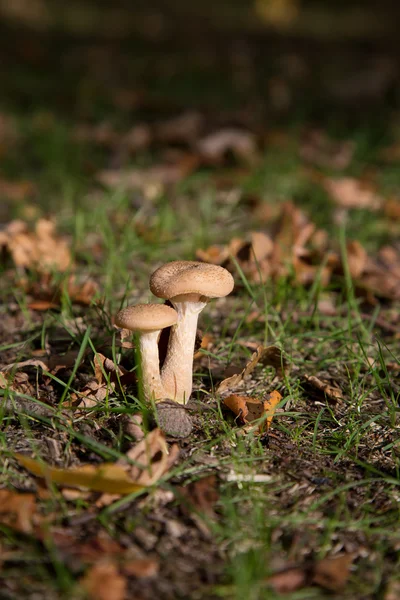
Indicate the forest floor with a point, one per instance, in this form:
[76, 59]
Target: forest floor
[127, 162]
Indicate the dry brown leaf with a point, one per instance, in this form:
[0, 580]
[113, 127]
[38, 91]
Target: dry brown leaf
[103, 581]
[321, 389]
[151, 458]
[349, 192]
[214, 147]
[356, 258]
[329, 573]
[332, 573]
[249, 409]
[107, 477]
[202, 494]
[17, 382]
[41, 249]
[289, 580]
[107, 376]
[267, 356]
[141, 568]
[18, 511]
[381, 276]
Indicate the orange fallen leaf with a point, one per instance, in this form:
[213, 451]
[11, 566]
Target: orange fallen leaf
[18, 511]
[103, 581]
[249, 409]
[289, 580]
[141, 568]
[107, 477]
[332, 573]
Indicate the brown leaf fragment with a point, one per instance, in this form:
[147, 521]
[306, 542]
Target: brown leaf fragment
[332, 573]
[103, 581]
[214, 147]
[238, 405]
[321, 389]
[147, 461]
[107, 376]
[150, 458]
[356, 258]
[17, 382]
[141, 568]
[288, 581]
[329, 573]
[18, 511]
[202, 495]
[349, 192]
[249, 409]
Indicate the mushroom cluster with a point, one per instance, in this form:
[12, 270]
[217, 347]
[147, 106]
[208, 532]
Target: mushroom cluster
[188, 286]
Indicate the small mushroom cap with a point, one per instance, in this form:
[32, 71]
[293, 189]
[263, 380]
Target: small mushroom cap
[146, 317]
[179, 278]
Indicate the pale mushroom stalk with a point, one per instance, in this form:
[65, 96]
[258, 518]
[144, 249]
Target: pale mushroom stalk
[177, 371]
[147, 320]
[150, 367]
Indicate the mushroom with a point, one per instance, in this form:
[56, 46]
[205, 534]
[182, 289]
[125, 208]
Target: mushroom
[189, 286]
[148, 320]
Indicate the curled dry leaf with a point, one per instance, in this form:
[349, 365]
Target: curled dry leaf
[248, 409]
[107, 477]
[103, 581]
[267, 356]
[18, 511]
[321, 389]
[150, 458]
[41, 249]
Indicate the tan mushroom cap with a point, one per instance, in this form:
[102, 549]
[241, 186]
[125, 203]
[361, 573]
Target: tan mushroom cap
[189, 277]
[146, 317]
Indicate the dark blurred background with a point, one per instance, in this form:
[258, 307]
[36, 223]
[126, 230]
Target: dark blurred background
[269, 58]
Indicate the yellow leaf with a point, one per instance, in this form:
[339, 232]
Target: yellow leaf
[107, 477]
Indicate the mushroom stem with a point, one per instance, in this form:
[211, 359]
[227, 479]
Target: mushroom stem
[150, 366]
[177, 371]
